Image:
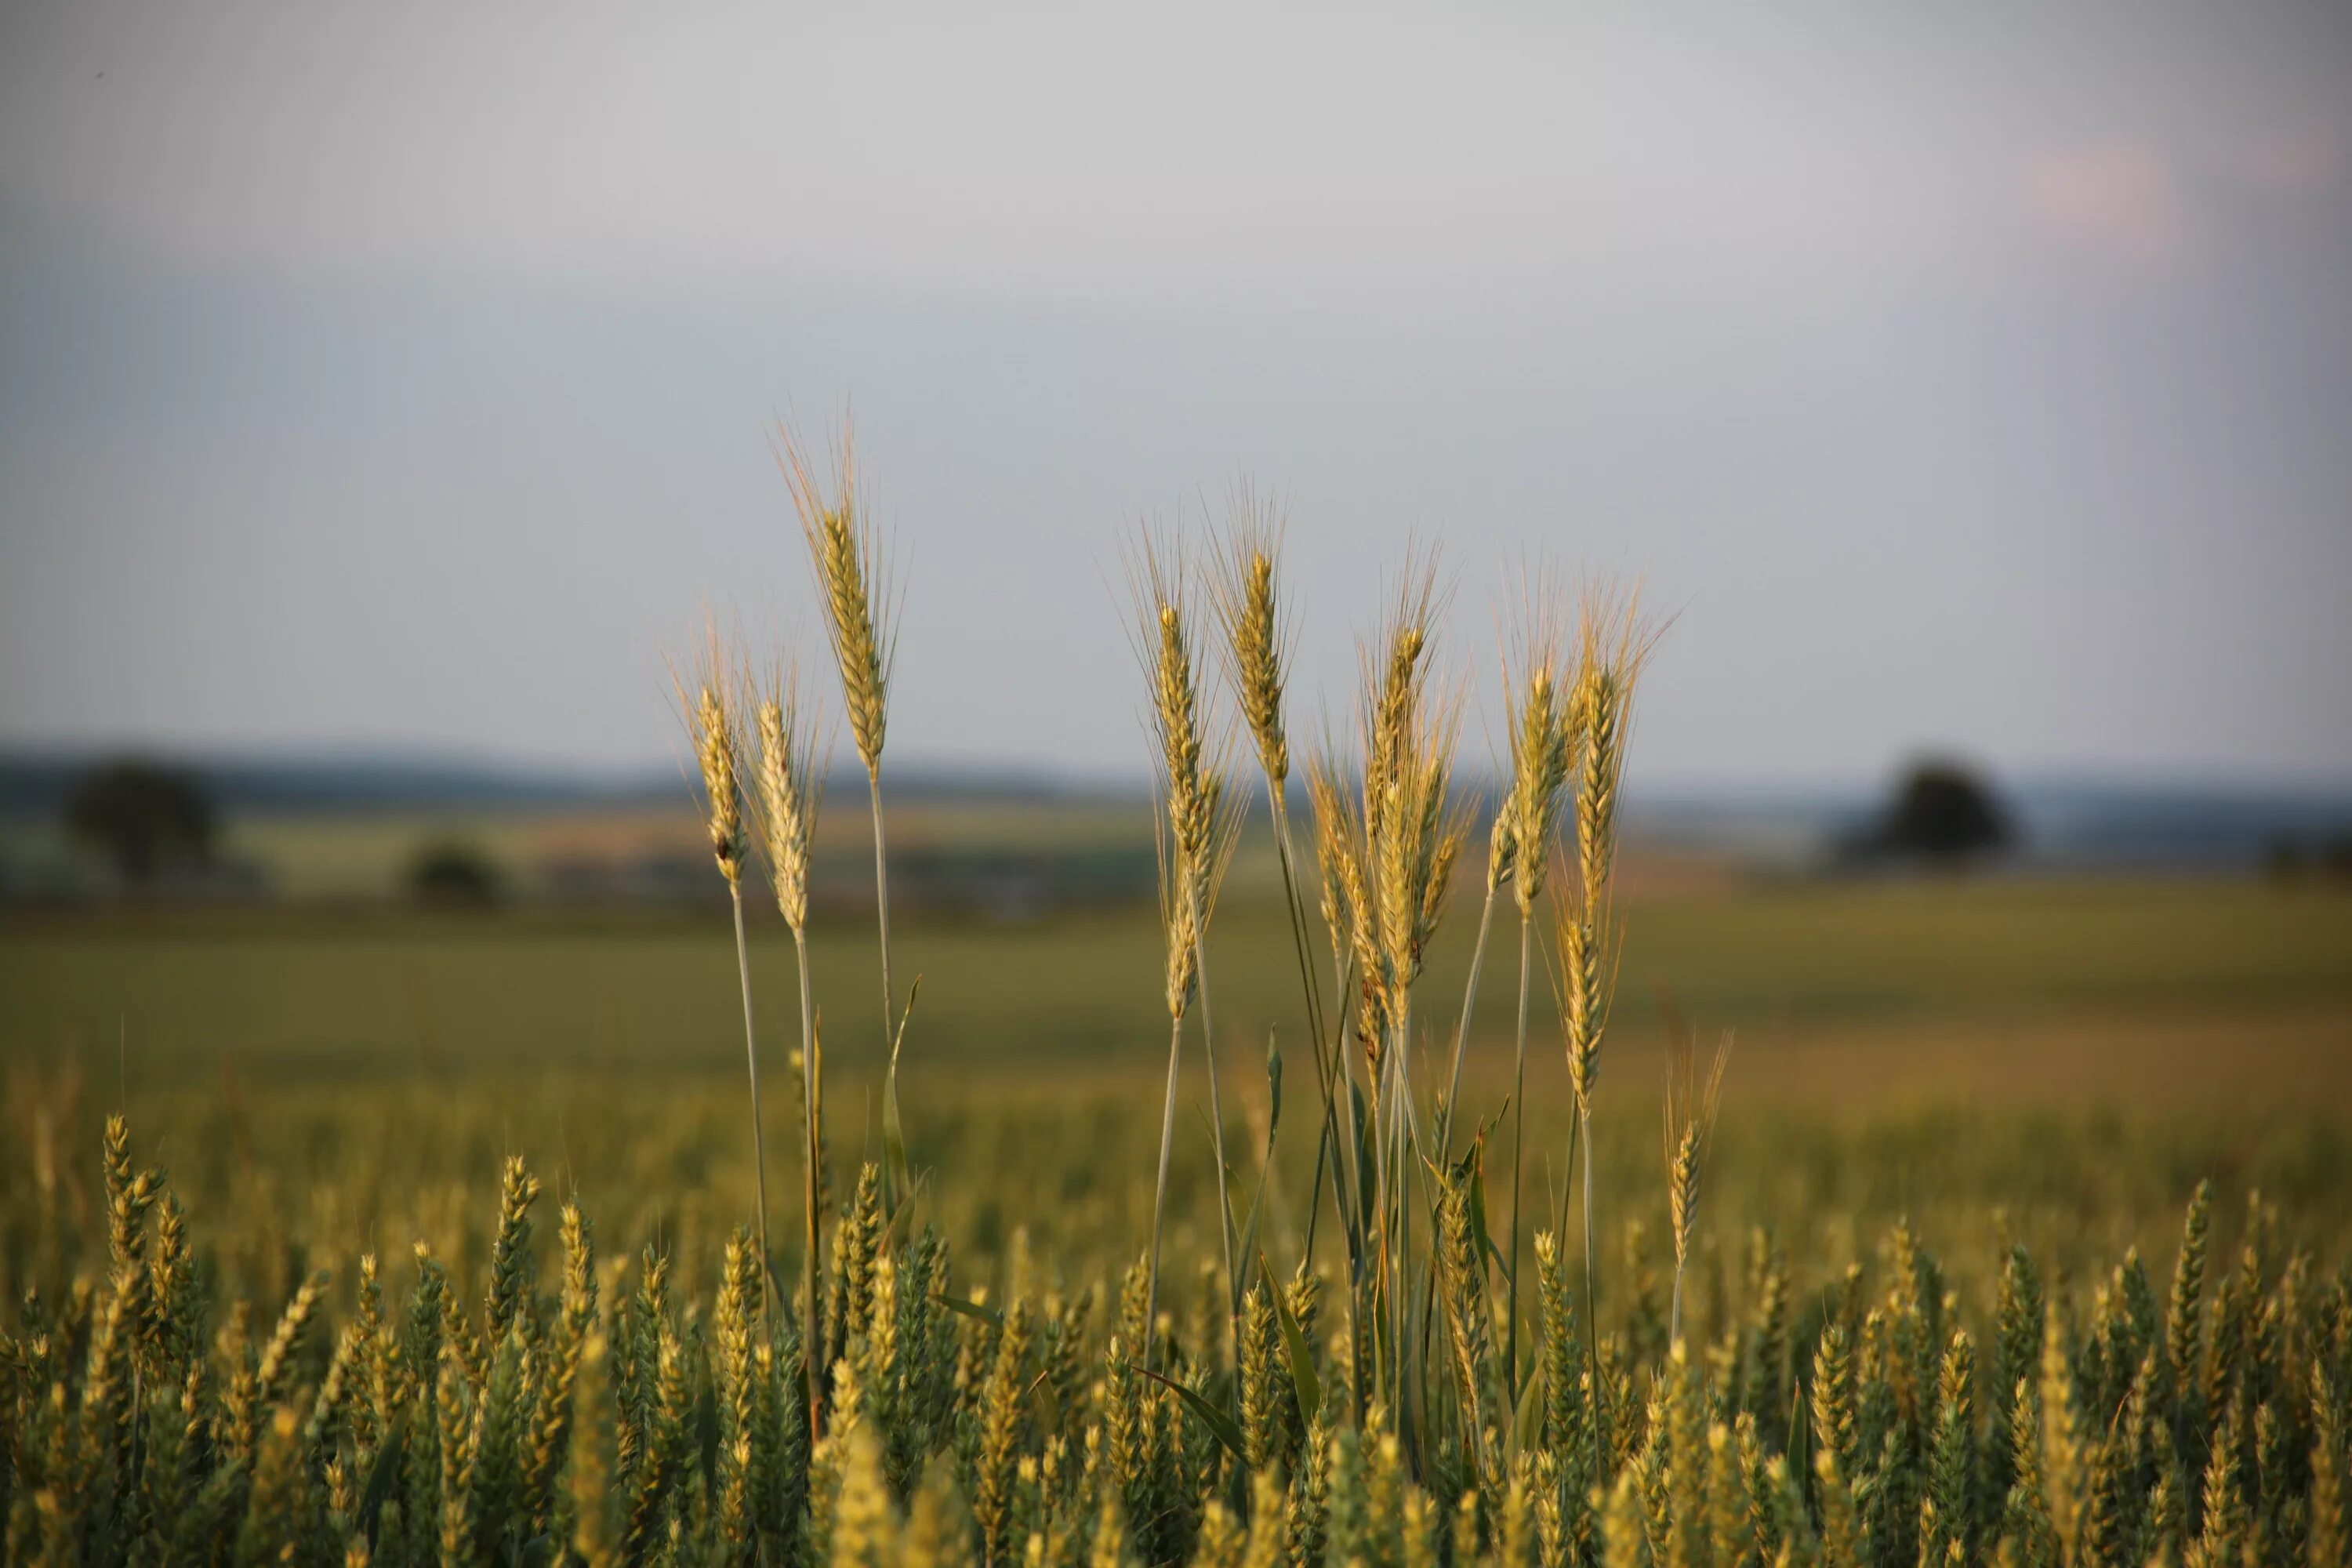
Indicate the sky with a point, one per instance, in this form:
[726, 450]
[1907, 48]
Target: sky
[401, 377]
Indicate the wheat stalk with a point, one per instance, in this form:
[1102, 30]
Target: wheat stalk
[1544, 747]
[857, 588]
[1690, 1107]
[1393, 851]
[1521, 832]
[790, 787]
[1196, 823]
[1246, 591]
[1612, 642]
[709, 696]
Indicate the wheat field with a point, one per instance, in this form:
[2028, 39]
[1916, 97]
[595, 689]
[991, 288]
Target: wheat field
[1467, 1268]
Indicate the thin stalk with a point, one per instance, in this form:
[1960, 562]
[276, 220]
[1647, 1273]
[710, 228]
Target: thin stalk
[1385, 1246]
[1159, 1190]
[1518, 1144]
[1592, 1323]
[1343, 1074]
[1217, 1134]
[1323, 1065]
[1399, 1160]
[1412, 1398]
[1352, 1158]
[812, 1161]
[1322, 1159]
[751, 1062]
[894, 1147]
[1462, 1030]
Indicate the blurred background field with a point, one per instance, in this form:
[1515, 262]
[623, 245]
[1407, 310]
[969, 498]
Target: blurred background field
[2045, 1036]
[350, 992]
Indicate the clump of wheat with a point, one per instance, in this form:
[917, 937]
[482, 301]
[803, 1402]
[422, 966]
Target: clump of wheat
[1389, 850]
[1394, 845]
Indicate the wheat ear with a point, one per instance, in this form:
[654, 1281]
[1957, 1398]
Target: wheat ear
[1691, 1104]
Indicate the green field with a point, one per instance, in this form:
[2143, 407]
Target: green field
[2216, 1016]
[334, 994]
[1927, 1075]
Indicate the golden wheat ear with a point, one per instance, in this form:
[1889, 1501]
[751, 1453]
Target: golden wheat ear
[706, 688]
[856, 582]
[788, 781]
[1246, 591]
[1540, 683]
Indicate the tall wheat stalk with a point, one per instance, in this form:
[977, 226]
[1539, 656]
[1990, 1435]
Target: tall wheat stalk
[1389, 853]
[790, 788]
[855, 584]
[1502, 847]
[708, 696]
[1612, 643]
[1340, 891]
[1246, 591]
[1545, 745]
[1691, 1103]
[1195, 825]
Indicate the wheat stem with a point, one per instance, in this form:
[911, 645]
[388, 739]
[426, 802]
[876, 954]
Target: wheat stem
[813, 1162]
[1593, 1334]
[752, 1063]
[893, 1130]
[1217, 1132]
[1518, 1143]
[1462, 1029]
[1326, 1133]
[1160, 1189]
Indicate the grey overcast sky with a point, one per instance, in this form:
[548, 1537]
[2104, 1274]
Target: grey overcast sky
[1975, 377]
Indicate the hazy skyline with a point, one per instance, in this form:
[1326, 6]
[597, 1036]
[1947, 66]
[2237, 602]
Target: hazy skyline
[1974, 382]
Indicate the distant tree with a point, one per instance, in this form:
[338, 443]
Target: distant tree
[1941, 811]
[2287, 858]
[454, 875]
[143, 815]
[2335, 858]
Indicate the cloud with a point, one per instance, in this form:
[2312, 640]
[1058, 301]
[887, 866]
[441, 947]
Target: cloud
[2303, 158]
[2120, 196]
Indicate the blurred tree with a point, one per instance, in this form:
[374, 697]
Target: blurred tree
[1941, 811]
[143, 815]
[454, 875]
[2287, 858]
